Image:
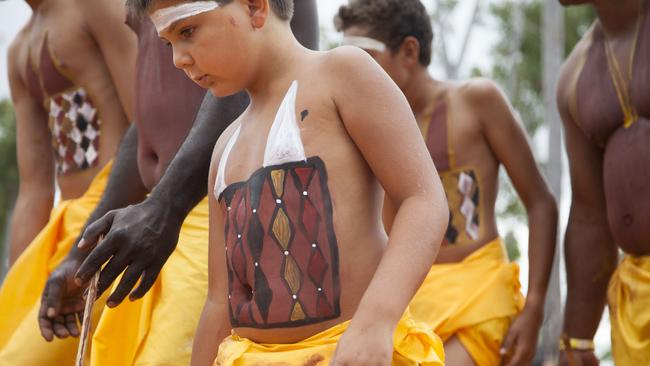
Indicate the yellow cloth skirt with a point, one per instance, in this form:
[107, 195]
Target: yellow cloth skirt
[20, 296]
[474, 300]
[159, 328]
[629, 309]
[415, 344]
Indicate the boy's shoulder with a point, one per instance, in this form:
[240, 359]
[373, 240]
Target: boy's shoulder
[345, 60]
[480, 90]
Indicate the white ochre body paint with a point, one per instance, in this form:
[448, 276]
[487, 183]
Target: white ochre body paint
[164, 17]
[365, 43]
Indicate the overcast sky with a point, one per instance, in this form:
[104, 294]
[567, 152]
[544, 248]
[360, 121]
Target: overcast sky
[15, 13]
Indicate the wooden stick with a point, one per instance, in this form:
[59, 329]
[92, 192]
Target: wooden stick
[85, 325]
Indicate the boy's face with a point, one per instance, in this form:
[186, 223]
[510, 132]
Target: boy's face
[211, 43]
[389, 61]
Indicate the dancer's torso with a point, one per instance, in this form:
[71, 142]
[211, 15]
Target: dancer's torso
[468, 170]
[166, 103]
[66, 74]
[620, 128]
[303, 228]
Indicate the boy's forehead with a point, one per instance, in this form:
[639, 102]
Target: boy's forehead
[165, 13]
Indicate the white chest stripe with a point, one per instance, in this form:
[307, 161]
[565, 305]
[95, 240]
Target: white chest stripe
[283, 145]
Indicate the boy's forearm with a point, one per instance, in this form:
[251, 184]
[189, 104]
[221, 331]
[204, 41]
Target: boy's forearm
[542, 219]
[124, 186]
[213, 328]
[413, 244]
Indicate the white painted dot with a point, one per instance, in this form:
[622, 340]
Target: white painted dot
[304, 193]
[228, 208]
[229, 296]
[254, 210]
[257, 264]
[294, 296]
[313, 245]
[320, 289]
[286, 252]
[278, 201]
[238, 236]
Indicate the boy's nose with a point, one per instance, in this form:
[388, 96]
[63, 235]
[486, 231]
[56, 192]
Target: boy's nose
[182, 59]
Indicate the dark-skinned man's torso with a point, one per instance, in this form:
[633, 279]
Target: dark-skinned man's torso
[616, 119]
[166, 103]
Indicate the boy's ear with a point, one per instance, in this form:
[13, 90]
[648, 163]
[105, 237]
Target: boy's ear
[259, 12]
[410, 51]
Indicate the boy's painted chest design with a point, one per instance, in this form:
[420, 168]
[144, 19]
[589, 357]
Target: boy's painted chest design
[281, 249]
[461, 185]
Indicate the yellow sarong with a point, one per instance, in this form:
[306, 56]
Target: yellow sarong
[159, 328]
[629, 309]
[20, 296]
[415, 344]
[475, 300]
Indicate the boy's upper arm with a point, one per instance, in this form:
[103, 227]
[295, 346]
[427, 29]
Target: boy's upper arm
[33, 137]
[507, 139]
[218, 280]
[379, 120]
[106, 20]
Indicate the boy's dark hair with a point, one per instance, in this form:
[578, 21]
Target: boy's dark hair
[282, 8]
[390, 21]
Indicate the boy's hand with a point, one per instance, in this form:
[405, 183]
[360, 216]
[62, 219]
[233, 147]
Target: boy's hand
[520, 343]
[365, 345]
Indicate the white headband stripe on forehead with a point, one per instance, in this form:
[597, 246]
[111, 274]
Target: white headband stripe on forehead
[164, 17]
[365, 43]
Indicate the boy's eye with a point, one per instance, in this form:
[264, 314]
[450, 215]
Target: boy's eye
[187, 32]
[168, 44]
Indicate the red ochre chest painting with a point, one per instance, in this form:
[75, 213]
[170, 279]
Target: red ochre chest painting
[281, 250]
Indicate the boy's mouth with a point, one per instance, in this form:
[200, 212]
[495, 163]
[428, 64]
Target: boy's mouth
[202, 80]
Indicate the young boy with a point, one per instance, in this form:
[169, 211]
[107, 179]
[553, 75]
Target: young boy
[301, 269]
[471, 296]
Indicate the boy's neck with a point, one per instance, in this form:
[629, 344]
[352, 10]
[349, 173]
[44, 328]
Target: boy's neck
[421, 90]
[617, 17]
[279, 57]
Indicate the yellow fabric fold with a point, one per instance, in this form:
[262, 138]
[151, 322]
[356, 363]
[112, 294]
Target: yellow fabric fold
[415, 344]
[20, 338]
[475, 300]
[159, 328]
[629, 308]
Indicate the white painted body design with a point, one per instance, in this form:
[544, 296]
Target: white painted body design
[283, 145]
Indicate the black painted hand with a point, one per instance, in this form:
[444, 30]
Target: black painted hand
[137, 241]
[62, 303]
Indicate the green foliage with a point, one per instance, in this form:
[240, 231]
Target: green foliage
[8, 166]
[519, 70]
